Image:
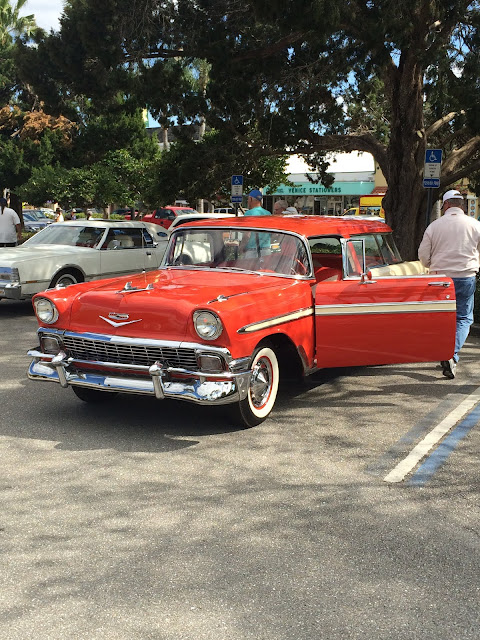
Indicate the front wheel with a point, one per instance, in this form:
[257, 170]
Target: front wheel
[92, 395]
[64, 279]
[262, 390]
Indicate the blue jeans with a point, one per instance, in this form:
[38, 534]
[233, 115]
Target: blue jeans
[464, 292]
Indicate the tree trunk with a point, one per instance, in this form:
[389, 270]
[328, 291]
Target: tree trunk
[405, 201]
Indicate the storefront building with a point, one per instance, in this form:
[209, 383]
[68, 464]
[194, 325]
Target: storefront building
[310, 198]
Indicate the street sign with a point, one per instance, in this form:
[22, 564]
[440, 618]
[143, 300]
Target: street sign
[432, 168]
[237, 189]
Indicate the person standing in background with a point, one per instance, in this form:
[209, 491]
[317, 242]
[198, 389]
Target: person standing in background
[255, 243]
[451, 246]
[10, 226]
[279, 207]
[255, 208]
[59, 215]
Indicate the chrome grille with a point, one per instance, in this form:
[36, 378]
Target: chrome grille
[144, 355]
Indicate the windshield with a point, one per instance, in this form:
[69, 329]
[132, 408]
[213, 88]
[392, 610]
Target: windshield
[245, 250]
[67, 234]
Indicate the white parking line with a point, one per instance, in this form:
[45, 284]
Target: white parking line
[423, 447]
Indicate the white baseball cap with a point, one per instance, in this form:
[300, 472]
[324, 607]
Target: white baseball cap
[451, 195]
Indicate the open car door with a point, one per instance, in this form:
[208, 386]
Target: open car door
[365, 320]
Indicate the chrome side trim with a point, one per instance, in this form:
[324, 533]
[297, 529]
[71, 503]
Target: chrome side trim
[276, 320]
[385, 307]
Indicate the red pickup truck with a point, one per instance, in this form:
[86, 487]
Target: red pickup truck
[166, 215]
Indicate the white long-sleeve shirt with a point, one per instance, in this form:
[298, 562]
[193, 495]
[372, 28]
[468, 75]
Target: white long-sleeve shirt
[8, 225]
[451, 245]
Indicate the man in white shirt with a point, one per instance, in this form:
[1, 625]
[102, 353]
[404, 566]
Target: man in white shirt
[10, 227]
[451, 246]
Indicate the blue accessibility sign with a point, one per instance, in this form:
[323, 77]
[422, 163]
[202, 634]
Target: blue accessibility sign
[433, 156]
[237, 180]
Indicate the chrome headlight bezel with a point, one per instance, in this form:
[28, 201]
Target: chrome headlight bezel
[208, 325]
[45, 310]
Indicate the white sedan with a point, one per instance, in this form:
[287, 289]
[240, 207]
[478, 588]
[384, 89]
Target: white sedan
[69, 252]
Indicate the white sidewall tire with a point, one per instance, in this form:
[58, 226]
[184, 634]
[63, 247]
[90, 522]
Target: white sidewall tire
[269, 359]
[66, 277]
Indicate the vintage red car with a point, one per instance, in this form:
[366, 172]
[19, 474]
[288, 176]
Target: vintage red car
[236, 305]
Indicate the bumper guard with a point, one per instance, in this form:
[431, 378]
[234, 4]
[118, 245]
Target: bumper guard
[193, 386]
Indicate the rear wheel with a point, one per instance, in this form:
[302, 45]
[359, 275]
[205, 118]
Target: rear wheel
[92, 395]
[262, 390]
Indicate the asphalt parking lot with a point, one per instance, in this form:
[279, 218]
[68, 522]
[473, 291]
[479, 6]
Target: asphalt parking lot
[139, 519]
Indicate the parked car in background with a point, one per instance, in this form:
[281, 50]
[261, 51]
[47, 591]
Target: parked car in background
[34, 220]
[240, 302]
[50, 213]
[166, 215]
[68, 252]
[194, 217]
[224, 210]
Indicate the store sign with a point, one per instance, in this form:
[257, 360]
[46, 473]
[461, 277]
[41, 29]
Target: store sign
[337, 189]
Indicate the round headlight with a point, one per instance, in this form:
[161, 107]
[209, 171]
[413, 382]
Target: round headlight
[207, 324]
[46, 311]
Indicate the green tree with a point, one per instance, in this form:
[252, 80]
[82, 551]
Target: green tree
[310, 77]
[13, 25]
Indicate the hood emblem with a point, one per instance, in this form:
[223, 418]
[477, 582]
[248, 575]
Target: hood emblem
[112, 317]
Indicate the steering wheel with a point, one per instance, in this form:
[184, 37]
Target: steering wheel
[183, 259]
[298, 268]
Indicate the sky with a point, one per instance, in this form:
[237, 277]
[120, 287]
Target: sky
[47, 14]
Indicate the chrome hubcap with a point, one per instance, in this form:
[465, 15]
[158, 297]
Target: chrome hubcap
[260, 382]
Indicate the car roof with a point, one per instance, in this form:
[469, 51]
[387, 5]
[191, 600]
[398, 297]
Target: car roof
[304, 225]
[206, 216]
[95, 222]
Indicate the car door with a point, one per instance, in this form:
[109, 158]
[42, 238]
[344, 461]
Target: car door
[367, 320]
[124, 252]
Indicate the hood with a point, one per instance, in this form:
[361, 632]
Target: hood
[163, 312]
[11, 256]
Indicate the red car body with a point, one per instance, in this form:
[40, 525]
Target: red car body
[164, 216]
[318, 292]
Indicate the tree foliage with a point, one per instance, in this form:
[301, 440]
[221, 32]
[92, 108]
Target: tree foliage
[311, 77]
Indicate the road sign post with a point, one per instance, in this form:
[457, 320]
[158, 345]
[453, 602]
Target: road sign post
[431, 176]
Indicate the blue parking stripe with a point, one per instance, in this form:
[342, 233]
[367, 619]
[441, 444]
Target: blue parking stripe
[441, 453]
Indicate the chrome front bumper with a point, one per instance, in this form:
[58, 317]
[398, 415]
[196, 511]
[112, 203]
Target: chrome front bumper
[197, 387]
[11, 291]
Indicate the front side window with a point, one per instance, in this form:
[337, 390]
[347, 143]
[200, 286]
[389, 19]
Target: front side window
[380, 249]
[239, 250]
[123, 238]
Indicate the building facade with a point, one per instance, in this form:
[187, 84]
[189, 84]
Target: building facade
[314, 198]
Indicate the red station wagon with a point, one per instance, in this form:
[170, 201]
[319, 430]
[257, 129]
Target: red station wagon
[166, 215]
[238, 303]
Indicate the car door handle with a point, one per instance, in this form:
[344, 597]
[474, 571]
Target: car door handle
[149, 253]
[439, 284]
